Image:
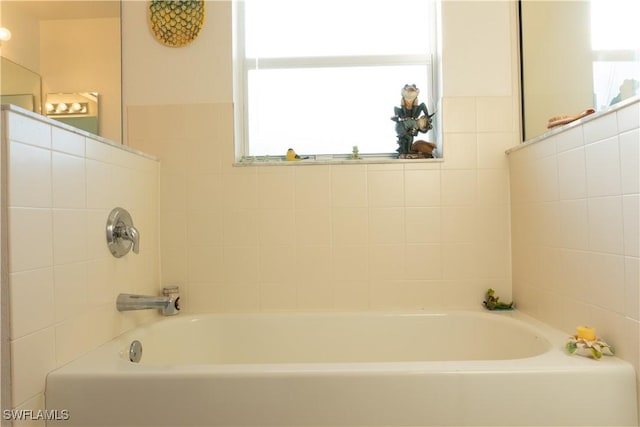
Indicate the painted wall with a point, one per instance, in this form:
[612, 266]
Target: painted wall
[575, 229]
[91, 63]
[62, 280]
[356, 237]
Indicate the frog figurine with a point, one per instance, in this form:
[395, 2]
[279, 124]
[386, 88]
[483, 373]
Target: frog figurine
[492, 302]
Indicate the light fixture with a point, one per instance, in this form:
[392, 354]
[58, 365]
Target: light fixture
[66, 108]
[5, 34]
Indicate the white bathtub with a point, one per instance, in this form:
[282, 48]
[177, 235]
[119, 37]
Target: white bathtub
[424, 369]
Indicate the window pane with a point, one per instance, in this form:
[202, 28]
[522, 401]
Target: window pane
[295, 28]
[614, 82]
[329, 110]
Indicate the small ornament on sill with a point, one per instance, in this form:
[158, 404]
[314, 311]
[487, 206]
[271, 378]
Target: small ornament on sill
[492, 302]
[355, 153]
[411, 117]
[585, 343]
[293, 157]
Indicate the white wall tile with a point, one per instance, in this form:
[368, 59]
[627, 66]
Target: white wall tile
[574, 224]
[313, 187]
[603, 168]
[606, 225]
[68, 181]
[31, 295]
[631, 224]
[276, 265]
[61, 272]
[32, 357]
[314, 263]
[29, 176]
[350, 263]
[604, 127]
[29, 131]
[385, 188]
[459, 115]
[606, 281]
[71, 291]
[69, 236]
[495, 114]
[423, 225]
[572, 174]
[388, 261]
[629, 157]
[386, 226]
[631, 287]
[72, 339]
[569, 139]
[350, 226]
[276, 227]
[422, 188]
[459, 187]
[492, 147]
[458, 224]
[313, 226]
[462, 151]
[276, 189]
[628, 117]
[349, 187]
[30, 239]
[67, 142]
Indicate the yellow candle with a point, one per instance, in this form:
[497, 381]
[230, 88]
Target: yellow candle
[586, 333]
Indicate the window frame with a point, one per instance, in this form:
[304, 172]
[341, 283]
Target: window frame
[243, 65]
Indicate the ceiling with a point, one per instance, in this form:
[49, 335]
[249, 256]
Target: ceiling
[70, 9]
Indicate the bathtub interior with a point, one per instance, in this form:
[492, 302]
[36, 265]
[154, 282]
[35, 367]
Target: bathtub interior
[339, 338]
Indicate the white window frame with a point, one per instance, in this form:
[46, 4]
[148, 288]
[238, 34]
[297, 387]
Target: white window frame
[242, 66]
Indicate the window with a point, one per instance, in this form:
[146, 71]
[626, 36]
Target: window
[322, 76]
[615, 40]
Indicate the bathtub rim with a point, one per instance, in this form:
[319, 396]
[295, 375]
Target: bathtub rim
[101, 361]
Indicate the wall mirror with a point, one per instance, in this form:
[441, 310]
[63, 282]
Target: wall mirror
[79, 110]
[20, 86]
[576, 55]
[74, 47]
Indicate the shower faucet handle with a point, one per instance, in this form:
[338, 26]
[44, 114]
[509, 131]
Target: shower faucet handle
[122, 236]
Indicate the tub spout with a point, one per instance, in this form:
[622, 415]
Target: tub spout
[168, 303]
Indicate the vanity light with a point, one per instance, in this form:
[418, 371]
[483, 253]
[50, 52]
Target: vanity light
[5, 34]
[66, 108]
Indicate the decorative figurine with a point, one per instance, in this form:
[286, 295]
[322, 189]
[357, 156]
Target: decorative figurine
[293, 157]
[585, 343]
[411, 117]
[492, 302]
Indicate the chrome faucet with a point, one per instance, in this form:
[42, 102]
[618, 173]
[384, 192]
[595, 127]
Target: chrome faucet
[122, 236]
[169, 302]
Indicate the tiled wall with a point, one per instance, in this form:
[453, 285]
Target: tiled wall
[63, 280]
[575, 229]
[344, 237]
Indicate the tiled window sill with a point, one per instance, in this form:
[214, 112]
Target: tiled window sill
[329, 160]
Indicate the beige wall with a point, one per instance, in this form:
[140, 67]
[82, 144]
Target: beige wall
[24, 46]
[362, 237]
[91, 63]
[575, 229]
[62, 279]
